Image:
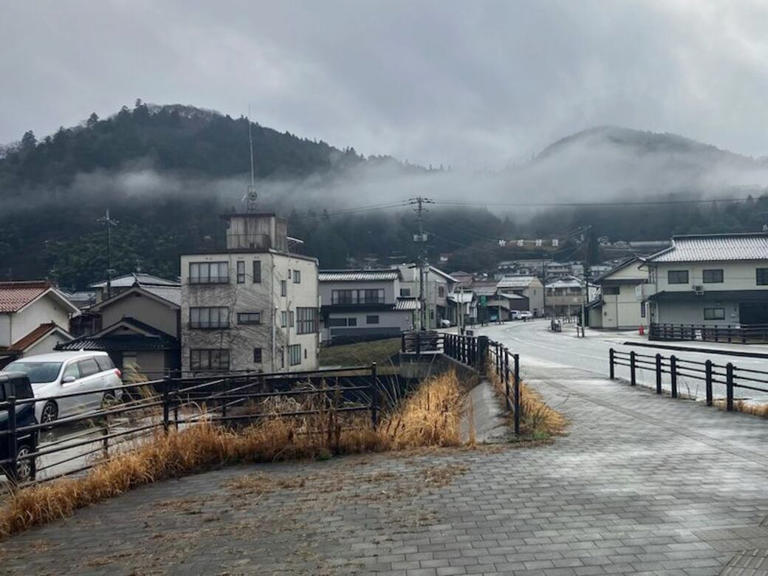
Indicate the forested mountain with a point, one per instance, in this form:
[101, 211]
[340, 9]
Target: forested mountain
[167, 173]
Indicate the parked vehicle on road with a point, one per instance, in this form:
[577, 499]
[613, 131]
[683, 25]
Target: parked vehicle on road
[521, 314]
[57, 375]
[17, 385]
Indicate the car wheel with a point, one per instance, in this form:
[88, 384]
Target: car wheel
[50, 412]
[25, 467]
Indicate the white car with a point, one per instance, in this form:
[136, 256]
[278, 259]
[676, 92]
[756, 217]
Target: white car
[521, 314]
[60, 373]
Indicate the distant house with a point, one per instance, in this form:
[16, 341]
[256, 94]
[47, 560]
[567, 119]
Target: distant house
[34, 318]
[529, 287]
[712, 280]
[128, 281]
[437, 286]
[565, 297]
[138, 326]
[621, 301]
[365, 305]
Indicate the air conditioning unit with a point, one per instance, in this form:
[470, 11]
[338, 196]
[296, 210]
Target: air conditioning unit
[698, 290]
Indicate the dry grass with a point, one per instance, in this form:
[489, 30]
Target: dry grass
[539, 421]
[760, 410]
[430, 417]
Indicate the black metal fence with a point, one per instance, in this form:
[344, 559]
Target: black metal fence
[479, 353]
[707, 372]
[76, 443]
[745, 334]
[500, 359]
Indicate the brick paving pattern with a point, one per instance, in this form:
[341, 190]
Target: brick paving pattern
[641, 485]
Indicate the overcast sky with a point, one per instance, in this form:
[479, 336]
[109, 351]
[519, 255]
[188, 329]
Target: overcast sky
[470, 84]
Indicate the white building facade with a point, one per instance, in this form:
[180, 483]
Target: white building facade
[252, 307]
[710, 280]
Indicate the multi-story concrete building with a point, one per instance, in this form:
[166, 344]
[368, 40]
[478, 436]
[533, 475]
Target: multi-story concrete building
[250, 307]
[712, 280]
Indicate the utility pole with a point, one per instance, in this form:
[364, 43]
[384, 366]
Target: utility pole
[421, 239]
[585, 277]
[109, 223]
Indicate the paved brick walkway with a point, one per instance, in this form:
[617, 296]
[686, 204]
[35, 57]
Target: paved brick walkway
[642, 485]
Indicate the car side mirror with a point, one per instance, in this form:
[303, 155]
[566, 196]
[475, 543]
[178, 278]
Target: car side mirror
[68, 379]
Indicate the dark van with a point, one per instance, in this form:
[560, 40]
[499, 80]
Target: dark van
[17, 384]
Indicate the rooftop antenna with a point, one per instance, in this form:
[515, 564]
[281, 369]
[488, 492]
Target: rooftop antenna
[251, 197]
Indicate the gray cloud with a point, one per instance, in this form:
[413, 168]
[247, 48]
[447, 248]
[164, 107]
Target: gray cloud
[474, 85]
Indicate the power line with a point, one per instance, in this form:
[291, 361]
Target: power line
[595, 203]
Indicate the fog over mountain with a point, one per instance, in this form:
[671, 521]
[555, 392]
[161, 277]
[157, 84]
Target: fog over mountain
[152, 162]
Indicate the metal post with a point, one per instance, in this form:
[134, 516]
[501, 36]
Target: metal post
[402, 342]
[729, 387]
[506, 380]
[166, 405]
[12, 439]
[482, 355]
[374, 397]
[518, 395]
[611, 371]
[105, 440]
[658, 373]
[418, 342]
[708, 376]
[673, 374]
[632, 379]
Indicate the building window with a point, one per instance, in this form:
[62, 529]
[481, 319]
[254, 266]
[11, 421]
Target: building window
[294, 354]
[249, 317]
[337, 322]
[642, 309]
[306, 320]
[291, 318]
[610, 290]
[352, 322]
[208, 359]
[677, 277]
[257, 355]
[367, 296]
[441, 291]
[283, 288]
[297, 276]
[208, 272]
[373, 319]
[257, 271]
[240, 272]
[714, 313]
[405, 292]
[761, 276]
[712, 276]
[281, 356]
[209, 317]
[283, 319]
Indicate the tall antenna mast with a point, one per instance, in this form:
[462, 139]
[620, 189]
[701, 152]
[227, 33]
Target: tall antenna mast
[250, 199]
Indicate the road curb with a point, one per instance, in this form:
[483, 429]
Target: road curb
[699, 350]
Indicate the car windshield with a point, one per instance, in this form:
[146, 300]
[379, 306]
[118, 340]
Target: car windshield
[37, 372]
